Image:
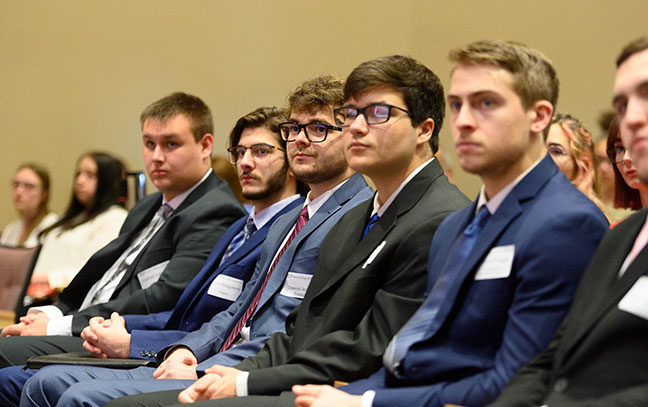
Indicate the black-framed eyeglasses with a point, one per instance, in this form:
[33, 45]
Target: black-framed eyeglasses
[260, 151]
[375, 113]
[616, 153]
[314, 132]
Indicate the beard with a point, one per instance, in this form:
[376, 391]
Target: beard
[273, 185]
[329, 169]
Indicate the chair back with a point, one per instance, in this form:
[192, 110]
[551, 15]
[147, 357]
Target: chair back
[16, 266]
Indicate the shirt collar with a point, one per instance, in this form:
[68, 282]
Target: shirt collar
[380, 210]
[494, 203]
[315, 204]
[261, 218]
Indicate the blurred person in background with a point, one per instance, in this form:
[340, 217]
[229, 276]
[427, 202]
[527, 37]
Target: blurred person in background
[92, 219]
[30, 186]
[570, 146]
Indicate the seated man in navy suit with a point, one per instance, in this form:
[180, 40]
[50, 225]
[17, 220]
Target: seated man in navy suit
[162, 244]
[371, 272]
[282, 274]
[502, 271]
[258, 151]
[598, 356]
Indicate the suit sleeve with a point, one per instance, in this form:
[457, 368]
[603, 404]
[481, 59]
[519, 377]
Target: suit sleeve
[155, 321]
[546, 277]
[192, 244]
[348, 355]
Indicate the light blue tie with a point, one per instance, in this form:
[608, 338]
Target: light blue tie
[240, 238]
[416, 328]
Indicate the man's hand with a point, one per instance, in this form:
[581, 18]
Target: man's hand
[324, 396]
[17, 329]
[180, 364]
[107, 338]
[218, 382]
[37, 326]
[13, 329]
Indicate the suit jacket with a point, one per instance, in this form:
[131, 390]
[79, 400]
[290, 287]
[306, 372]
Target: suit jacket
[299, 258]
[363, 290]
[597, 355]
[510, 295]
[184, 241]
[152, 332]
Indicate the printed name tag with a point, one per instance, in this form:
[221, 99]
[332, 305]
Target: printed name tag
[497, 264]
[636, 299]
[296, 284]
[151, 275]
[226, 287]
[374, 254]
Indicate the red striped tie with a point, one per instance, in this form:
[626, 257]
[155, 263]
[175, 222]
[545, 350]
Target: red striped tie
[301, 221]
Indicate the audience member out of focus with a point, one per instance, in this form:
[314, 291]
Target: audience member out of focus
[30, 186]
[93, 218]
[446, 162]
[227, 172]
[570, 145]
[629, 191]
[604, 170]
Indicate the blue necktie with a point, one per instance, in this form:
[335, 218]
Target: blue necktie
[416, 328]
[240, 238]
[372, 221]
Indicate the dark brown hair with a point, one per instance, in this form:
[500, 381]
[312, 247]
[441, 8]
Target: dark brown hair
[632, 48]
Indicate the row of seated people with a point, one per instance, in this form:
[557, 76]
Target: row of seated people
[411, 294]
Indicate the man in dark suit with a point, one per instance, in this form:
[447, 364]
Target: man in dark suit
[503, 270]
[371, 272]
[258, 151]
[597, 356]
[163, 243]
[288, 259]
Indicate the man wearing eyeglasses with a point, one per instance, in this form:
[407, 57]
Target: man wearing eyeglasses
[289, 256]
[371, 271]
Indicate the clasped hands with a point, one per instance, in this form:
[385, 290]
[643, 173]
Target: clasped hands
[32, 324]
[107, 338]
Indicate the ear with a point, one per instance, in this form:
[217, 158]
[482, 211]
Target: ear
[541, 114]
[206, 145]
[424, 131]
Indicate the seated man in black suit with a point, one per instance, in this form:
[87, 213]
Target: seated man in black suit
[163, 243]
[370, 276]
[597, 356]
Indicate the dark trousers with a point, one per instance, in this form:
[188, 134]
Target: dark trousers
[15, 350]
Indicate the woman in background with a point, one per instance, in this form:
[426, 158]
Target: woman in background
[30, 185]
[629, 192]
[93, 218]
[570, 146]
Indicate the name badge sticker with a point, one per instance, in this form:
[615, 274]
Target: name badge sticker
[497, 263]
[635, 301]
[374, 254]
[151, 275]
[296, 285]
[225, 287]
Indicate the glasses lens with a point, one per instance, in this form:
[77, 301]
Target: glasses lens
[316, 132]
[345, 116]
[261, 151]
[620, 152]
[235, 153]
[377, 114]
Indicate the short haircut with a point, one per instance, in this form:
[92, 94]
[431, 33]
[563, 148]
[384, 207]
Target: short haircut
[198, 113]
[632, 48]
[534, 76]
[421, 89]
[624, 196]
[323, 93]
[266, 117]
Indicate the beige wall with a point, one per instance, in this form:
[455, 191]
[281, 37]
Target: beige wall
[76, 74]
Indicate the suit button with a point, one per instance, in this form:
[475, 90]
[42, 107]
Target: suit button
[561, 385]
[143, 353]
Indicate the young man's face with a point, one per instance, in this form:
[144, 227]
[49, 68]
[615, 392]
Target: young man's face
[631, 104]
[490, 127]
[315, 163]
[174, 160]
[385, 148]
[262, 176]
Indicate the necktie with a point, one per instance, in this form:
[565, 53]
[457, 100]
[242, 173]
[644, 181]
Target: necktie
[372, 221]
[416, 328]
[240, 238]
[160, 217]
[301, 221]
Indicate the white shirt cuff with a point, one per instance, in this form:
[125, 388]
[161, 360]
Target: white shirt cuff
[60, 326]
[368, 398]
[52, 311]
[242, 384]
